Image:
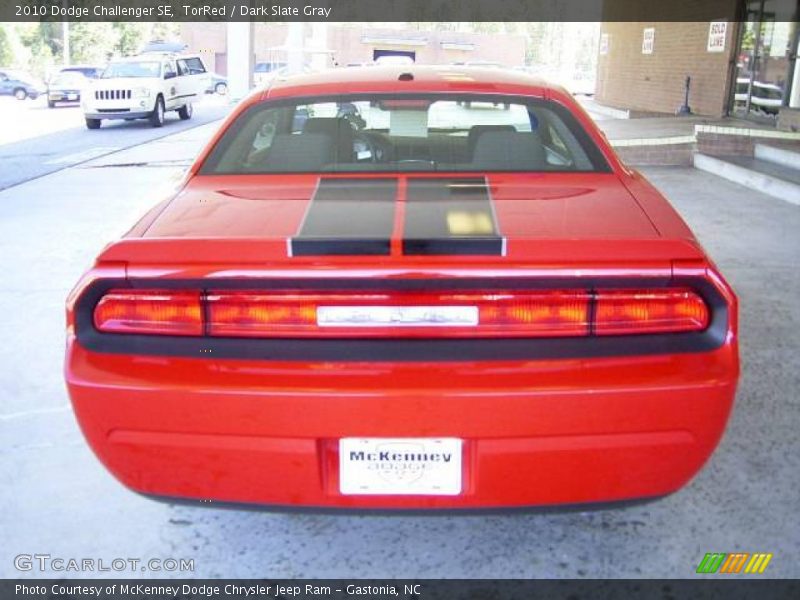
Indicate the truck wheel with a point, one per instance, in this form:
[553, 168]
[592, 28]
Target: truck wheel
[157, 116]
[221, 88]
[185, 112]
[20, 94]
[51, 104]
[93, 123]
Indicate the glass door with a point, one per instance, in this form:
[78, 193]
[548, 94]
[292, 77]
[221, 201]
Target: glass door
[765, 63]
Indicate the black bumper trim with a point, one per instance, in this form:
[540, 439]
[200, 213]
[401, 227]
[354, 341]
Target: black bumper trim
[401, 512]
[118, 115]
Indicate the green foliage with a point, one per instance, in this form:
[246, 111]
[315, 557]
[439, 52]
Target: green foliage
[130, 37]
[6, 49]
[34, 52]
[92, 42]
[39, 47]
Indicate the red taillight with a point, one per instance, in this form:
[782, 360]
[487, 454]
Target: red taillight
[159, 312]
[624, 312]
[398, 314]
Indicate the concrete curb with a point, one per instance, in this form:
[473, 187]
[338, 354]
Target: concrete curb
[766, 184]
[662, 141]
[778, 156]
[747, 132]
[607, 111]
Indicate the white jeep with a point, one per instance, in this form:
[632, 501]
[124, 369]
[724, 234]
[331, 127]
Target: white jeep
[145, 87]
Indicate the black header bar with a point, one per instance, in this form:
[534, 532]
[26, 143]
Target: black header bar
[730, 588]
[386, 10]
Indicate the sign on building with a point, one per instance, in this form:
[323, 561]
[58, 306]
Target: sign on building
[716, 36]
[648, 40]
[604, 43]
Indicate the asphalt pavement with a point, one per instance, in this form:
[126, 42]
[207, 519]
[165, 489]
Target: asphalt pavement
[57, 499]
[36, 140]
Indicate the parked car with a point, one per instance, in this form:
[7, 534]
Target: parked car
[264, 79]
[88, 71]
[263, 71]
[65, 86]
[394, 59]
[425, 310]
[580, 82]
[766, 98]
[217, 85]
[145, 87]
[21, 85]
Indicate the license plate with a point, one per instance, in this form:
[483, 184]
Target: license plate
[400, 466]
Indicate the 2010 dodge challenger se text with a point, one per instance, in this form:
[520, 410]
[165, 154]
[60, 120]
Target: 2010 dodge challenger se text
[405, 288]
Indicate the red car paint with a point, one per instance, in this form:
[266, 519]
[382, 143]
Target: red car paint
[264, 429]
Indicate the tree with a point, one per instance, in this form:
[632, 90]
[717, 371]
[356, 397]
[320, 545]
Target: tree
[130, 37]
[6, 48]
[35, 53]
[92, 42]
[164, 30]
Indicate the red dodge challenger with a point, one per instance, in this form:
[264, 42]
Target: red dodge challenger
[405, 288]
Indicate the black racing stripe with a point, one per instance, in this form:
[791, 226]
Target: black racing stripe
[348, 217]
[450, 216]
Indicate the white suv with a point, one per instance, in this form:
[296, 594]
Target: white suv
[145, 87]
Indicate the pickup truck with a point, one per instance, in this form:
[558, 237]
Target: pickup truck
[145, 87]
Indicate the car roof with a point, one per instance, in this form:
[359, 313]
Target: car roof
[150, 57]
[438, 78]
[18, 73]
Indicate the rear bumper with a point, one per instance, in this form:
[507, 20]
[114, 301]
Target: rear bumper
[118, 115]
[64, 96]
[536, 433]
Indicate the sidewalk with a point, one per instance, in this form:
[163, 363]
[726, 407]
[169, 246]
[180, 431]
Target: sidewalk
[673, 140]
[618, 126]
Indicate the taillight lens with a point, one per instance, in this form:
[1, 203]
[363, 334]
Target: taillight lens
[155, 312]
[398, 314]
[402, 314]
[624, 312]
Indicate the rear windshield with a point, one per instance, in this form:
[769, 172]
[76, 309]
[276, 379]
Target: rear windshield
[408, 133]
[68, 78]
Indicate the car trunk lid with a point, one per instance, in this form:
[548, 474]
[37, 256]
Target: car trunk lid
[456, 218]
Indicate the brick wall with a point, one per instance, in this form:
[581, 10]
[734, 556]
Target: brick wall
[715, 144]
[354, 44]
[629, 79]
[663, 154]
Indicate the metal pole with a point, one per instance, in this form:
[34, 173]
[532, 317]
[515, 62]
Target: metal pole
[756, 57]
[685, 110]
